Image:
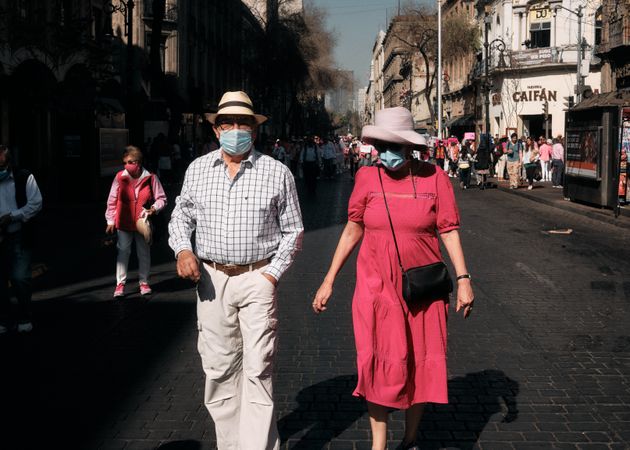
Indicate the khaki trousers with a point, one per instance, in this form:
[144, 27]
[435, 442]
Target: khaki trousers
[237, 343]
[514, 169]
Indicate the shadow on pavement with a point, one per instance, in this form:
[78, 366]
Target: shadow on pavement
[68, 380]
[327, 409]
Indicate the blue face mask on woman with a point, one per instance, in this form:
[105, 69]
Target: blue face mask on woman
[4, 174]
[392, 160]
[236, 142]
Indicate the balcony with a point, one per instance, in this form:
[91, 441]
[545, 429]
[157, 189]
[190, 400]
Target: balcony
[619, 32]
[170, 14]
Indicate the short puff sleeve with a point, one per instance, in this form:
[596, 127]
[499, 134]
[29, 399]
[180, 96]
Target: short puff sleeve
[359, 197]
[447, 212]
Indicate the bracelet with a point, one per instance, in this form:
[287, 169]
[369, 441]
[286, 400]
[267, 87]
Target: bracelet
[466, 275]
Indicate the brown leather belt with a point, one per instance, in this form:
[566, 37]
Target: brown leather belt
[232, 270]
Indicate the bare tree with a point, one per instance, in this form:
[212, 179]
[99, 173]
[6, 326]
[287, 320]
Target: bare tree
[419, 33]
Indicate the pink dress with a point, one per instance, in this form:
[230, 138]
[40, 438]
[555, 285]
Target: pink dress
[401, 353]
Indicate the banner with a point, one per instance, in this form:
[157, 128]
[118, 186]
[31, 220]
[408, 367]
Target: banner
[469, 135]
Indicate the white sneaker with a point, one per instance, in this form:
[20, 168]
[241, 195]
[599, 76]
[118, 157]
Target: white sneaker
[530, 187]
[3, 329]
[25, 327]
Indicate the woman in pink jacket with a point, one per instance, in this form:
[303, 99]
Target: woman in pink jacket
[135, 193]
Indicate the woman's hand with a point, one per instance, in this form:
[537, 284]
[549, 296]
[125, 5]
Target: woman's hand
[322, 296]
[465, 296]
[110, 229]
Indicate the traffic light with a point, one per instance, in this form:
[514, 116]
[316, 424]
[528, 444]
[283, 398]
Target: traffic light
[568, 102]
[546, 109]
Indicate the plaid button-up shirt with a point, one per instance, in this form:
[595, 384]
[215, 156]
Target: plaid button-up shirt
[255, 215]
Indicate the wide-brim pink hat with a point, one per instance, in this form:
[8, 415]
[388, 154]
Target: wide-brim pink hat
[393, 125]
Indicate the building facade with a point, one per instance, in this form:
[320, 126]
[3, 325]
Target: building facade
[405, 72]
[79, 80]
[374, 91]
[537, 71]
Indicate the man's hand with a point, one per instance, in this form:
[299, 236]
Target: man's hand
[150, 211]
[188, 266]
[110, 229]
[5, 220]
[271, 278]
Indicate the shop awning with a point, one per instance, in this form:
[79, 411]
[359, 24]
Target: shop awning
[609, 99]
[461, 121]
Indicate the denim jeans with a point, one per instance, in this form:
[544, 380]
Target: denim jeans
[557, 174]
[15, 266]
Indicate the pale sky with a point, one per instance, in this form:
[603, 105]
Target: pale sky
[356, 23]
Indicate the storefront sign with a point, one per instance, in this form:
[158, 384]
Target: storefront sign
[112, 143]
[540, 13]
[72, 146]
[535, 94]
[583, 152]
[531, 57]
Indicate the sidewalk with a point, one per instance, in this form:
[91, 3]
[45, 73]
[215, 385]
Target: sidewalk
[544, 193]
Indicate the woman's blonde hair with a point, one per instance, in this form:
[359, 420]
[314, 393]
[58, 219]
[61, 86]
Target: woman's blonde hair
[133, 151]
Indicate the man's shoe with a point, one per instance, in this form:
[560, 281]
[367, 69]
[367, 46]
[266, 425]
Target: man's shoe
[3, 329]
[530, 187]
[145, 289]
[25, 327]
[120, 290]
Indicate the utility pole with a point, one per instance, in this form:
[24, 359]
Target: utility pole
[486, 46]
[580, 56]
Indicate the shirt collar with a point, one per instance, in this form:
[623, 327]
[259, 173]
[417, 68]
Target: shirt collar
[254, 156]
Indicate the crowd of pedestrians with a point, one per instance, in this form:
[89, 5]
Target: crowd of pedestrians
[508, 159]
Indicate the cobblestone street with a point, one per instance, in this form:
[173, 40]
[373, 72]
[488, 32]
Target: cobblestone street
[543, 362]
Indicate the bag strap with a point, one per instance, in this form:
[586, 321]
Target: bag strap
[380, 179]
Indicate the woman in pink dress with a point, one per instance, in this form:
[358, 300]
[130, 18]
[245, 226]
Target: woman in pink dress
[401, 350]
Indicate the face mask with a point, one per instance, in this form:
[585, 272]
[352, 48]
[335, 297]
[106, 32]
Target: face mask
[4, 174]
[392, 160]
[134, 169]
[236, 142]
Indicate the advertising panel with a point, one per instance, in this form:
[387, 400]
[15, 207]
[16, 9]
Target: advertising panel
[583, 150]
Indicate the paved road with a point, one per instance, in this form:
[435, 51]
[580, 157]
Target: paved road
[544, 362]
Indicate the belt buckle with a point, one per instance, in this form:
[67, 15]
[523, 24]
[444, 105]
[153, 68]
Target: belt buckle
[230, 269]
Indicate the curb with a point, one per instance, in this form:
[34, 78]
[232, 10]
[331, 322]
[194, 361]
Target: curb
[603, 215]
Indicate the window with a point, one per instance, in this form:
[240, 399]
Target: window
[598, 26]
[540, 35]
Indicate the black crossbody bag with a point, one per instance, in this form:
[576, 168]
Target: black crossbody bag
[424, 283]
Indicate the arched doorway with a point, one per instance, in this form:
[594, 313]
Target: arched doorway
[76, 147]
[32, 120]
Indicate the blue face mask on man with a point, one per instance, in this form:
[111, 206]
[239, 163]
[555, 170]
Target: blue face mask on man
[4, 174]
[392, 160]
[236, 142]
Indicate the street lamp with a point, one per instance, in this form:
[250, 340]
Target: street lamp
[499, 44]
[125, 7]
[580, 48]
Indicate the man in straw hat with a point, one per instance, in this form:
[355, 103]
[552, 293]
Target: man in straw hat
[243, 208]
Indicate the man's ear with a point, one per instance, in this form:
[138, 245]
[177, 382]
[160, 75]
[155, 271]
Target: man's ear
[217, 133]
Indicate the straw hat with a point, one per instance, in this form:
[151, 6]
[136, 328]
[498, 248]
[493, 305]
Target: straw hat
[236, 103]
[393, 125]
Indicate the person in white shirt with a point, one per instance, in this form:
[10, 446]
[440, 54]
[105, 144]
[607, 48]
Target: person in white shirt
[365, 154]
[20, 201]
